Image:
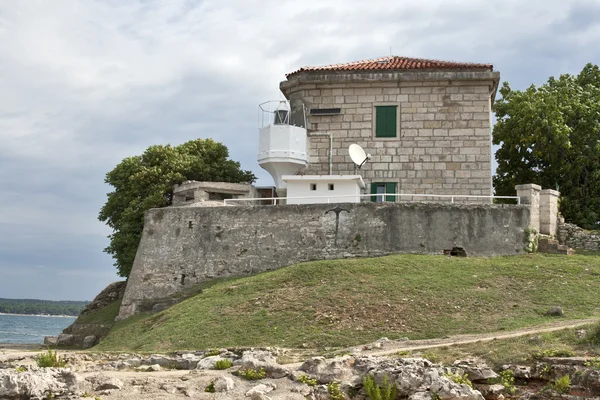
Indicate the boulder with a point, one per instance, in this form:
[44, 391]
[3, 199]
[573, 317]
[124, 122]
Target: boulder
[36, 383]
[261, 389]
[339, 369]
[208, 362]
[475, 370]
[89, 341]
[50, 340]
[224, 384]
[108, 384]
[65, 339]
[258, 359]
[555, 312]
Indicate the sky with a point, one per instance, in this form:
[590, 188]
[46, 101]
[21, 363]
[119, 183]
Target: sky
[84, 84]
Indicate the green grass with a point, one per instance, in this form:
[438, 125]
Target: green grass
[521, 350]
[103, 316]
[348, 302]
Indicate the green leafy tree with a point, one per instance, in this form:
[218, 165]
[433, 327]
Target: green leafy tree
[146, 181]
[550, 135]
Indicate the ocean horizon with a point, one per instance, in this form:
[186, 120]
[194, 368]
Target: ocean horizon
[31, 329]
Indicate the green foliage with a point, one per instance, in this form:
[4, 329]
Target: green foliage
[34, 306]
[21, 369]
[505, 378]
[562, 385]
[223, 364]
[553, 352]
[436, 396]
[307, 380]
[548, 135]
[50, 359]
[335, 391]
[252, 374]
[375, 392]
[593, 363]
[213, 352]
[593, 336]
[146, 181]
[210, 388]
[431, 356]
[460, 379]
[531, 239]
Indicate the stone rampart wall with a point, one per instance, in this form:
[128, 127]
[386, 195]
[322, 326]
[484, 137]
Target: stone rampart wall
[578, 238]
[184, 246]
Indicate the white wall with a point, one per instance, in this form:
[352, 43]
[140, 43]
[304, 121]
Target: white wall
[302, 188]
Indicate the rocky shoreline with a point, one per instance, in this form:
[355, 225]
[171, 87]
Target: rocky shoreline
[193, 375]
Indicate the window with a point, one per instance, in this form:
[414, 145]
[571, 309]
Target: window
[385, 121]
[380, 189]
[331, 186]
[313, 186]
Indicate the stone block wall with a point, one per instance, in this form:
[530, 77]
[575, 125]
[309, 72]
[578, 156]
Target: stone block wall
[443, 144]
[184, 246]
[578, 238]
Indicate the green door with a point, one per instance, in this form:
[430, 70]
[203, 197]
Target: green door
[380, 189]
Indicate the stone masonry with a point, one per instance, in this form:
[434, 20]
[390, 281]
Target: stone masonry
[443, 145]
[184, 246]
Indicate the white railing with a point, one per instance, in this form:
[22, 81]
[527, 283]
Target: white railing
[352, 198]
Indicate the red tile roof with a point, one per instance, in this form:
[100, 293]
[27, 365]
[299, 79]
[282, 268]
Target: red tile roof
[397, 63]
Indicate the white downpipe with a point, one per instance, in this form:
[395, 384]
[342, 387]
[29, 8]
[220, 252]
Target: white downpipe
[330, 148]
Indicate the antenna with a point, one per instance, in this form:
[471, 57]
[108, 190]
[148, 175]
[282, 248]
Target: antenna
[358, 155]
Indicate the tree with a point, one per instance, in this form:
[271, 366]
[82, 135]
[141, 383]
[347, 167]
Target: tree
[550, 135]
[146, 181]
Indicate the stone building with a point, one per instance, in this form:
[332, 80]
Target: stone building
[426, 123]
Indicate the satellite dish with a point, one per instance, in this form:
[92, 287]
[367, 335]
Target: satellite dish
[358, 155]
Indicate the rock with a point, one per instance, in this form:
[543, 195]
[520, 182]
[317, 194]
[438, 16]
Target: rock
[476, 371]
[149, 368]
[519, 371]
[208, 362]
[421, 396]
[492, 392]
[224, 384]
[555, 312]
[109, 383]
[262, 389]
[339, 369]
[259, 396]
[89, 341]
[265, 360]
[36, 383]
[65, 339]
[50, 340]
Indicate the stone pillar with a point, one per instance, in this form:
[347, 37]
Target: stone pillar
[548, 211]
[530, 195]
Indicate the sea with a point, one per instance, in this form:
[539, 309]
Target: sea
[31, 329]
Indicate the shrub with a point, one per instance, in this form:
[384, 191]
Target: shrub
[562, 385]
[212, 352]
[507, 379]
[551, 353]
[460, 379]
[21, 369]
[252, 374]
[375, 392]
[223, 364]
[593, 363]
[593, 337]
[335, 391]
[50, 360]
[210, 388]
[307, 380]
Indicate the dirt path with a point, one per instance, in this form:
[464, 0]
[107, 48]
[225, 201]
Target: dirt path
[394, 346]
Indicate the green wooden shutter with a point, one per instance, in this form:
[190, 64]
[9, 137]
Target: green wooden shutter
[390, 188]
[385, 121]
[373, 191]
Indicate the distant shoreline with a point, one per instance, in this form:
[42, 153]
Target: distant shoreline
[40, 315]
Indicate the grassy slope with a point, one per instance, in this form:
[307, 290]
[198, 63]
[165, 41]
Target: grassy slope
[347, 302]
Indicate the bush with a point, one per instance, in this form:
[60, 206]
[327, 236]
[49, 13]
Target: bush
[210, 388]
[252, 374]
[307, 380]
[551, 353]
[460, 379]
[507, 379]
[376, 392]
[223, 364]
[562, 385]
[593, 363]
[335, 391]
[593, 337]
[50, 360]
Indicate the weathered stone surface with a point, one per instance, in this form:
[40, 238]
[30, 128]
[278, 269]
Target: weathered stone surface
[476, 370]
[208, 362]
[65, 340]
[89, 341]
[332, 370]
[266, 238]
[50, 340]
[109, 383]
[261, 388]
[37, 383]
[577, 238]
[263, 359]
[224, 384]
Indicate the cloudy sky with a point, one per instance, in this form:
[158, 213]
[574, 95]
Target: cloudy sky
[84, 84]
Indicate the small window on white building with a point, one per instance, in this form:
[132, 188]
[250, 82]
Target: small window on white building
[313, 186]
[331, 186]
